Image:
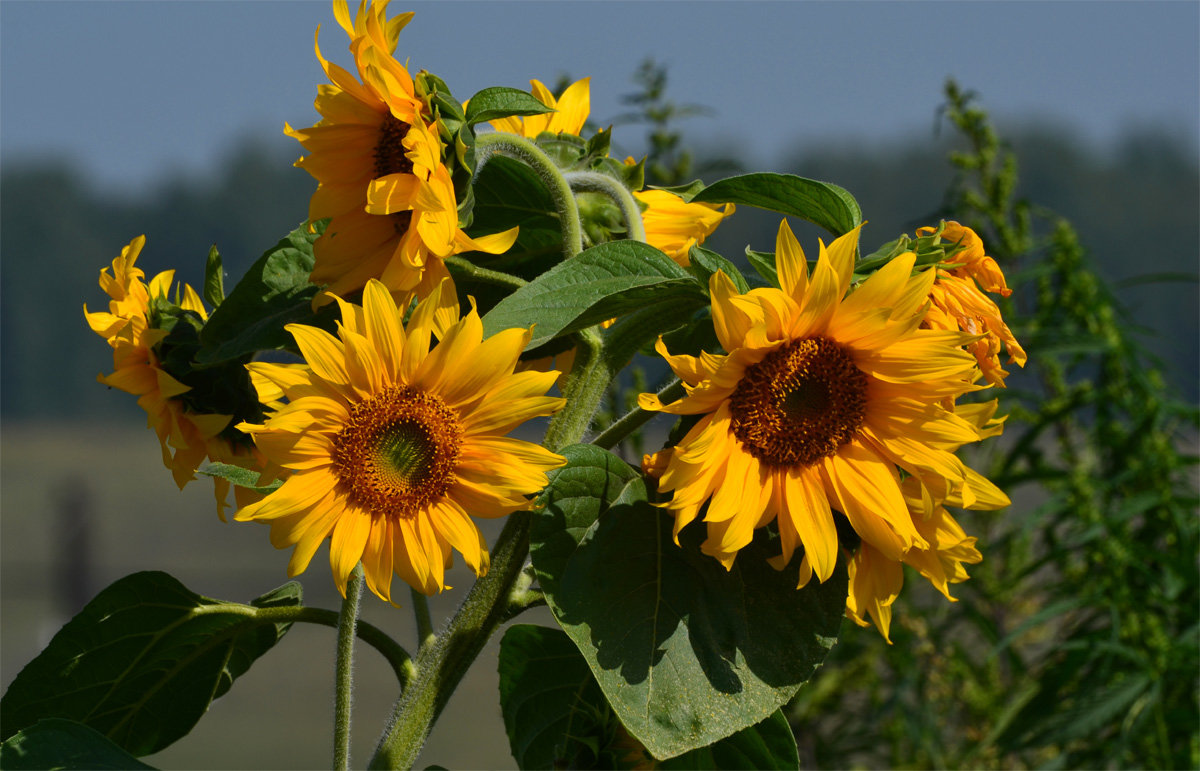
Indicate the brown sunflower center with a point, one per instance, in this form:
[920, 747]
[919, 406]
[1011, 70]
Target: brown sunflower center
[800, 403]
[390, 158]
[397, 452]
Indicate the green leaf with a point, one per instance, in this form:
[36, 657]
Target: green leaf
[273, 293]
[769, 744]
[54, 744]
[551, 703]
[556, 715]
[706, 262]
[142, 661]
[214, 278]
[822, 203]
[508, 194]
[686, 652]
[764, 264]
[242, 477]
[501, 102]
[598, 284]
[574, 497]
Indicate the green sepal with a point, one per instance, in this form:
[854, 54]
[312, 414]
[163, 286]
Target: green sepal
[821, 203]
[686, 191]
[502, 102]
[53, 744]
[274, 292]
[705, 262]
[242, 477]
[214, 278]
[142, 661]
[686, 652]
[597, 284]
[764, 264]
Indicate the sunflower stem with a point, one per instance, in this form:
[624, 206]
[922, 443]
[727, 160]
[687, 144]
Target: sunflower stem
[584, 390]
[635, 419]
[441, 666]
[595, 182]
[347, 621]
[425, 634]
[520, 148]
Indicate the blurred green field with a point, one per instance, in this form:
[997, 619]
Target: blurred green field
[279, 714]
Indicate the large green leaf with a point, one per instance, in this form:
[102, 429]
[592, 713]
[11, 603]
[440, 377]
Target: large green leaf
[508, 194]
[602, 282]
[54, 744]
[574, 497]
[686, 652]
[500, 102]
[142, 661]
[822, 203]
[556, 715]
[273, 293]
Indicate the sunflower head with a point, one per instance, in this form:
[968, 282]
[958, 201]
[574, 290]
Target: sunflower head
[823, 397]
[382, 179]
[389, 446]
[674, 225]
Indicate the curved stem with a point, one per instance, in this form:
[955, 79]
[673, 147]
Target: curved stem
[584, 389]
[425, 634]
[535, 158]
[632, 421]
[595, 182]
[372, 635]
[347, 621]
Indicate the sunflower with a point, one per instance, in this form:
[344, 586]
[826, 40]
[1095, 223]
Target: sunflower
[187, 438]
[821, 400]
[382, 183]
[570, 112]
[389, 444]
[958, 302]
[674, 226]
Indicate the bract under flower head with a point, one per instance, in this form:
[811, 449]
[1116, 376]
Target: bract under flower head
[187, 438]
[821, 400]
[389, 196]
[392, 446]
[958, 302]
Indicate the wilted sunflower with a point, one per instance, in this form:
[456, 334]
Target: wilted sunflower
[383, 184]
[821, 400]
[958, 302]
[187, 438]
[391, 446]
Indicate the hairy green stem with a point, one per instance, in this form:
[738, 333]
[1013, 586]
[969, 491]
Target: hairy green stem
[483, 275]
[536, 159]
[347, 621]
[425, 634]
[442, 665]
[595, 182]
[635, 419]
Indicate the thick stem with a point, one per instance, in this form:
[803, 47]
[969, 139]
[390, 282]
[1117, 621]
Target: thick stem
[584, 389]
[535, 158]
[595, 182]
[425, 634]
[343, 682]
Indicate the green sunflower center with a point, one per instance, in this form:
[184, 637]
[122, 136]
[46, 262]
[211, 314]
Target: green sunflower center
[397, 452]
[390, 158]
[800, 403]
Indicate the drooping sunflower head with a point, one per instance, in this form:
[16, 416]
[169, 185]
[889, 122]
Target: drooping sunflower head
[130, 326]
[674, 225]
[958, 302]
[823, 397]
[378, 159]
[390, 446]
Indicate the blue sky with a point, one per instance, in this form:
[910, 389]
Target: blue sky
[134, 91]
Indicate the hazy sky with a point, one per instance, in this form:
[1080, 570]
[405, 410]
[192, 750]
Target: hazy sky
[135, 90]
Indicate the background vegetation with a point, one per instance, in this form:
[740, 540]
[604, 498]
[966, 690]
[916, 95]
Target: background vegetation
[1076, 642]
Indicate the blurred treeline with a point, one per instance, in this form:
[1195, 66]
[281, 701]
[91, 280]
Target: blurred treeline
[1134, 204]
